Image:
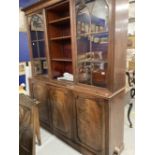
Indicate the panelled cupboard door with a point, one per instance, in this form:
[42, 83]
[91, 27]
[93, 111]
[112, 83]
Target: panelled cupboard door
[40, 92]
[62, 111]
[89, 122]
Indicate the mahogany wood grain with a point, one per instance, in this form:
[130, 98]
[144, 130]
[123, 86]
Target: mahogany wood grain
[89, 123]
[120, 43]
[62, 111]
[87, 118]
[40, 93]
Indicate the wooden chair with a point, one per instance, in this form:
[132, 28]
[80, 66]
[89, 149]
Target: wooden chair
[26, 140]
[28, 110]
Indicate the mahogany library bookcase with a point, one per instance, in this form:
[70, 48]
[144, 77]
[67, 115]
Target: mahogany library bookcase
[78, 50]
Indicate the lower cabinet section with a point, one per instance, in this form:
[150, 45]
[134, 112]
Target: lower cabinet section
[90, 123]
[93, 125]
[40, 92]
[62, 111]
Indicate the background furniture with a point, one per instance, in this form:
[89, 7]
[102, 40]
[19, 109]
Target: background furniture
[131, 82]
[131, 38]
[26, 140]
[28, 113]
[78, 77]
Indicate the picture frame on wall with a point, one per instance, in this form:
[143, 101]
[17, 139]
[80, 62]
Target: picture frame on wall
[22, 66]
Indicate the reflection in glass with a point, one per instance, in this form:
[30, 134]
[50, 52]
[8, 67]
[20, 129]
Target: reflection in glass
[99, 74]
[92, 41]
[40, 67]
[83, 44]
[84, 72]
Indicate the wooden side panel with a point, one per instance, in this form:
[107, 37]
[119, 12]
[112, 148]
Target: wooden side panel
[116, 123]
[40, 92]
[62, 111]
[120, 43]
[89, 123]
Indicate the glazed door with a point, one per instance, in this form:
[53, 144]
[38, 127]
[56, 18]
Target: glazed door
[92, 38]
[37, 44]
[89, 122]
[40, 92]
[62, 111]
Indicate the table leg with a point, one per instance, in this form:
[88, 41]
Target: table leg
[129, 112]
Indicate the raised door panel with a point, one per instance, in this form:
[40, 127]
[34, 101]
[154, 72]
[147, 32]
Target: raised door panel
[40, 92]
[89, 123]
[62, 111]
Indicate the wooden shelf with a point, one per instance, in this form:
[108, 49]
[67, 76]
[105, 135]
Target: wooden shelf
[60, 21]
[61, 38]
[59, 28]
[63, 60]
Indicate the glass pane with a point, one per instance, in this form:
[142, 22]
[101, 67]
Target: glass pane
[44, 67]
[100, 46]
[83, 22]
[35, 49]
[42, 48]
[84, 73]
[40, 67]
[33, 36]
[99, 73]
[83, 44]
[99, 16]
[84, 57]
[36, 25]
[40, 35]
[92, 41]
